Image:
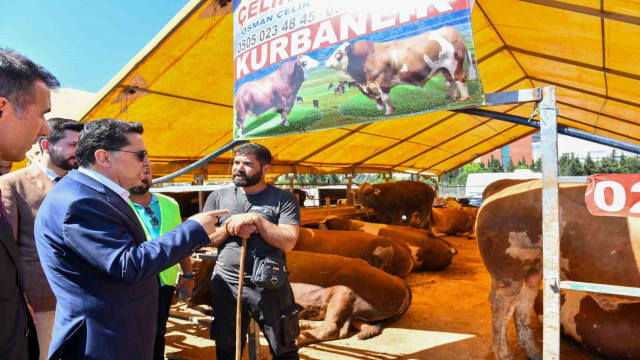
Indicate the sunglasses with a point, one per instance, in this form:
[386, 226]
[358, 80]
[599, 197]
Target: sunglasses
[154, 219]
[139, 154]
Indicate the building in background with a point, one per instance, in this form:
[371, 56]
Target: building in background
[514, 151]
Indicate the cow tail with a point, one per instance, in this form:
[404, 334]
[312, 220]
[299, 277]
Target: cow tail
[471, 69]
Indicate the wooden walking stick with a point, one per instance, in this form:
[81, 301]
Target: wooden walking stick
[243, 252]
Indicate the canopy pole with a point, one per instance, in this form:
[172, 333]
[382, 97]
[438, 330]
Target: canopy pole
[230, 145]
[550, 226]
[561, 129]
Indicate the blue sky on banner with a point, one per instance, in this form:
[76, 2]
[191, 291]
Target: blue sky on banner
[459, 19]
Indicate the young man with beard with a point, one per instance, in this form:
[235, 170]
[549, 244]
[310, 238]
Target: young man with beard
[270, 218]
[22, 193]
[158, 215]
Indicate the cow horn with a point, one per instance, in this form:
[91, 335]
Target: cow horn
[376, 191]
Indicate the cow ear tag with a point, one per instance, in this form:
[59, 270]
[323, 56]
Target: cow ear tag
[376, 191]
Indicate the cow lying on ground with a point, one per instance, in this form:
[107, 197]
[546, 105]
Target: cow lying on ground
[429, 253]
[595, 249]
[339, 291]
[447, 221]
[275, 92]
[395, 202]
[609, 332]
[344, 293]
[377, 251]
[377, 67]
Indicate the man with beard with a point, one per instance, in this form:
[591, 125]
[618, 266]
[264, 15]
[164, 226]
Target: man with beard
[270, 218]
[158, 215]
[22, 193]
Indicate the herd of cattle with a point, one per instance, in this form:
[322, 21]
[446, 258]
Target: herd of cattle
[373, 67]
[361, 287]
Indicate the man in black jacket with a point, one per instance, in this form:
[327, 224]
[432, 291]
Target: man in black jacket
[25, 98]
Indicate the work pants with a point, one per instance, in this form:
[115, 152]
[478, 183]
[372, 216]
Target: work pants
[275, 311]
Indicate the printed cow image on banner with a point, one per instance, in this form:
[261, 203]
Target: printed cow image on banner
[317, 64]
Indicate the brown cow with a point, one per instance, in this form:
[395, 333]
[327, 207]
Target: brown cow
[276, 91]
[448, 221]
[344, 292]
[395, 202]
[500, 185]
[599, 325]
[341, 291]
[509, 232]
[429, 253]
[377, 251]
[377, 67]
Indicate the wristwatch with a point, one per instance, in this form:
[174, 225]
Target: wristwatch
[188, 276]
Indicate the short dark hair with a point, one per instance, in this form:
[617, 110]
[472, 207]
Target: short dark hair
[17, 76]
[262, 154]
[107, 134]
[58, 127]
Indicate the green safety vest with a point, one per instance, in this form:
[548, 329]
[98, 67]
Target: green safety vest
[169, 219]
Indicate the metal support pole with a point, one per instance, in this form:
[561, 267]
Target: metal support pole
[228, 146]
[200, 181]
[550, 225]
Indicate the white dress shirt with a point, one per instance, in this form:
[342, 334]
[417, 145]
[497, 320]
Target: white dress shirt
[50, 174]
[124, 194]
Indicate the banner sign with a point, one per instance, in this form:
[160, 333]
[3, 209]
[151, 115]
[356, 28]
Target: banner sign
[613, 195]
[304, 65]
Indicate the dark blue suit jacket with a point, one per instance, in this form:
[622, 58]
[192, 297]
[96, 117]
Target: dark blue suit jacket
[102, 271]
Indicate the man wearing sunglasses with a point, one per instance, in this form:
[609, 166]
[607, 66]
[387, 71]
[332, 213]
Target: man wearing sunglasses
[94, 252]
[160, 214]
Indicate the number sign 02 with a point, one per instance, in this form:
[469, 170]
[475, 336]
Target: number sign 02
[613, 195]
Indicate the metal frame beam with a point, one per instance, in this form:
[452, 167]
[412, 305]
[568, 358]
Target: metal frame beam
[587, 11]
[565, 130]
[230, 145]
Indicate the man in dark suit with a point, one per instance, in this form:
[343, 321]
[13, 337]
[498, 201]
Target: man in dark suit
[25, 98]
[95, 254]
[22, 193]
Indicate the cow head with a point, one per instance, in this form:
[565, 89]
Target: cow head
[339, 60]
[308, 64]
[366, 194]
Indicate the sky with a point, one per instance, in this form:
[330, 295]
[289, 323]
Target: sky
[84, 43]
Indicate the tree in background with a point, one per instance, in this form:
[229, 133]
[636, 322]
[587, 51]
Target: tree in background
[590, 166]
[510, 167]
[494, 165]
[608, 164]
[522, 163]
[536, 166]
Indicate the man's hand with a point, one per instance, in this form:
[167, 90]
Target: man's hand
[208, 219]
[235, 224]
[247, 230]
[187, 285]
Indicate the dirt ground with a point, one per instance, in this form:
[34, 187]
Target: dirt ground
[449, 318]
